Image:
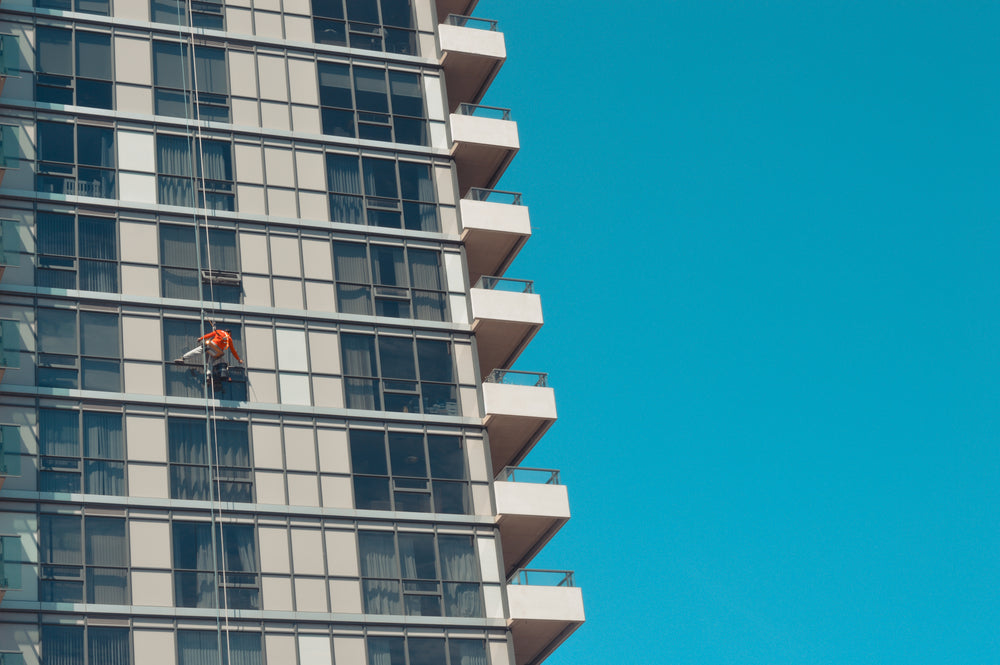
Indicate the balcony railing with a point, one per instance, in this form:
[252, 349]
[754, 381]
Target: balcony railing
[523, 474]
[505, 284]
[480, 111]
[513, 377]
[494, 196]
[471, 22]
[533, 577]
[10, 562]
[10, 450]
[10, 344]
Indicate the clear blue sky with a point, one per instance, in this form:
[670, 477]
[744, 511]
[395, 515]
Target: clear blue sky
[766, 238]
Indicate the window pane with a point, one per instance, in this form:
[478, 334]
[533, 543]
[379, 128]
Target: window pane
[218, 250]
[57, 331]
[328, 8]
[195, 589]
[426, 650]
[197, 647]
[425, 269]
[368, 452]
[94, 7]
[61, 541]
[451, 497]
[335, 85]
[359, 354]
[435, 360]
[177, 246]
[333, 33]
[193, 545]
[380, 178]
[406, 451]
[56, 234]
[107, 646]
[96, 146]
[370, 90]
[101, 375]
[216, 157]
[168, 65]
[238, 550]
[342, 174]
[173, 155]
[389, 265]
[102, 435]
[467, 652]
[55, 51]
[210, 70]
[407, 98]
[462, 600]
[382, 597]
[58, 432]
[233, 443]
[416, 556]
[93, 55]
[108, 586]
[378, 554]
[415, 180]
[99, 334]
[447, 457]
[458, 558]
[55, 142]
[62, 645]
[97, 238]
[106, 478]
[386, 651]
[396, 354]
[106, 542]
[397, 13]
[371, 493]
[190, 482]
[187, 441]
[365, 11]
[243, 648]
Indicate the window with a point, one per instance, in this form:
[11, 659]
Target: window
[83, 559]
[77, 252]
[204, 13]
[175, 82]
[381, 192]
[382, 373]
[425, 651]
[385, 280]
[201, 647]
[389, 105]
[179, 276]
[198, 471]
[78, 349]
[102, 7]
[377, 25]
[419, 574]
[408, 471]
[75, 160]
[93, 645]
[207, 171]
[231, 578]
[77, 445]
[74, 71]
[180, 336]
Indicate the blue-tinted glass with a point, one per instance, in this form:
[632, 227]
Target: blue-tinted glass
[338, 123]
[55, 50]
[467, 652]
[93, 55]
[194, 589]
[342, 174]
[99, 334]
[331, 33]
[439, 399]
[57, 331]
[380, 177]
[451, 497]
[108, 646]
[238, 549]
[388, 651]
[411, 130]
[96, 182]
[60, 539]
[173, 155]
[371, 493]
[365, 11]
[396, 357]
[59, 432]
[426, 650]
[55, 142]
[54, 89]
[106, 543]
[400, 41]
[99, 276]
[216, 160]
[102, 435]
[370, 90]
[96, 94]
[397, 13]
[101, 375]
[55, 234]
[328, 8]
[446, 456]
[97, 238]
[415, 181]
[62, 645]
[462, 600]
[49, 377]
[406, 451]
[368, 452]
[96, 146]
[210, 70]
[407, 98]
[169, 11]
[435, 360]
[102, 7]
[335, 85]
[62, 5]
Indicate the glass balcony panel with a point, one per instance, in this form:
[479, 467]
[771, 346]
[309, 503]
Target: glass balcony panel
[10, 450]
[10, 243]
[11, 556]
[10, 344]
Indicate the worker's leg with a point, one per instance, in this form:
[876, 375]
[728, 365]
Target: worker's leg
[192, 357]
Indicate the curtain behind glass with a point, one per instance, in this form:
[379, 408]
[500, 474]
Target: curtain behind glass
[237, 549]
[415, 180]
[232, 443]
[458, 558]
[350, 259]
[61, 542]
[62, 645]
[359, 355]
[197, 647]
[210, 69]
[386, 651]
[93, 55]
[416, 556]
[378, 554]
[173, 155]
[467, 652]
[218, 250]
[193, 546]
[342, 174]
[55, 51]
[389, 265]
[106, 544]
[425, 269]
[107, 646]
[168, 65]
[102, 435]
[177, 246]
[56, 234]
[187, 441]
[58, 432]
[216, 159]
[243, 648]
[407, 98]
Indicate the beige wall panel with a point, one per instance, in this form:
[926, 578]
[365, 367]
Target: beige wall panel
[313, 205]
[270, 487]
[150, 544]
[133, 62]
[434, 97]
[246, 113]
[449, 220]
[298, 29]
[479, 466]
[251, 200]
[267, 25]
[314, 649]
[152, 589]
[294, 389]
[267, 446]
[311, 170]
[277, 593]
[274, 85]
[137, 187]
[153, 647]
[142, 339]
[348, 649]
[143, 378]
[136, 151]
[275, 115]
[328, 392]
[345, 598]
[316, 259]
[133, 99]
[263, 387]
[260, 347]
[280, 167]
[458, 307]
[253, 253]
[306, 119]
[320, 297]
[333, 447]
[310, 596]
[274, 550]
[307, 551]
[342, 554]
[242, 82]
[445, 185]
[282, 203]
[493, 602]
[146, 438]
[300, 448]
[464, 363]
[324, 350]
[140, 281]
[279, 647]
[249, 167]
[147, 480]
[239, 21]
[256, 291]
[288, 293]
[303, 490]
[469, 400]
[140, 243]
[285, 256]
[268, 5]
[298, 7]
[337, 492]
[135, 11]
[302, 77]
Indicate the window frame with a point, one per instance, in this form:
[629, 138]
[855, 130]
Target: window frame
[54, 170]
[77, 464]
[74, 262]
[71, 83]
[57, 572]
[218, 475]
[393, 121]
[367, 32]
[58, 360]
[370, 207]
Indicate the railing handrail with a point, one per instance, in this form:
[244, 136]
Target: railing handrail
[500, 375]
[483, 194]
[461, 20]
[466, 108]
[509, 473]
[490, 282]
[521, 577]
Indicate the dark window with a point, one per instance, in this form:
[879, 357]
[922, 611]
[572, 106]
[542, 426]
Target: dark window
[207, 171]
[76, 645]
[203, 14]
[201, 647]
[421, 574]
[378, 25]
[74, 71]
[86, 6]
[83, 559]
[220, 471]
[385, 106]
[75, 160]
[425, 651]
[395, 281]
[175, 80]
[394, 194]
[95, 365]
[232, 578]
[81, 451]
[179, 267]
[77, 252]
[423, 473]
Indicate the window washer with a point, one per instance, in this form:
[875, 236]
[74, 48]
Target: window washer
[214, 343]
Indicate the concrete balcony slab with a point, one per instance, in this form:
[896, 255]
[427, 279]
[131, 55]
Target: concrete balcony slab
[493, 234]
[471, 58]
[516, 418]
[528, 515]
[504, 322]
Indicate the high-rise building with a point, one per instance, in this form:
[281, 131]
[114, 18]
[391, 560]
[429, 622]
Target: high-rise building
[316, 178]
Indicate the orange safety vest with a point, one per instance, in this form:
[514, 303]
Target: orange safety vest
[222, 340]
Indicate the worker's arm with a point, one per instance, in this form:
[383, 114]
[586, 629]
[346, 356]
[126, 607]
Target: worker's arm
[206, 336]
[232, 347]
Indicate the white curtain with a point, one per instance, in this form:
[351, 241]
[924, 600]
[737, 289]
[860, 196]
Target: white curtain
[390, 265]
[467, 652]
[386, 651]
[102, 435]
[342, 173]
[458, 558]
[359, 355]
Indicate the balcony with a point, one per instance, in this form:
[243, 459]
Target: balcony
[10, 452]
[495, 226]
[10, 346]
[545, 609]
[10, 58]
[11, 558]
[531, 507]
[472, 52]
[459, 7]
[484, 141]
[520, 408]
[506, 314]
[10, 245]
